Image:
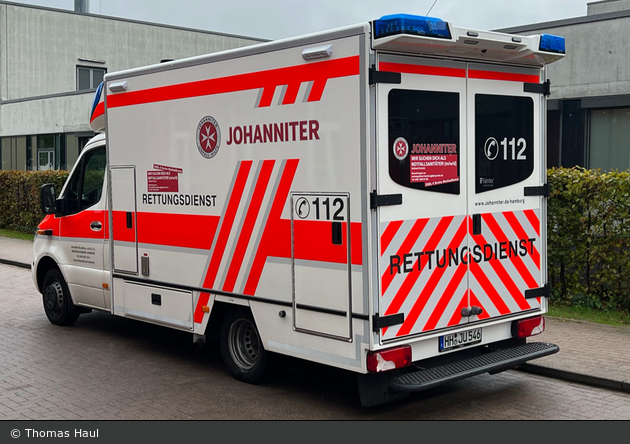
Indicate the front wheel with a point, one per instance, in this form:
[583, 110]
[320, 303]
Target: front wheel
[56, 297]
[241, 347]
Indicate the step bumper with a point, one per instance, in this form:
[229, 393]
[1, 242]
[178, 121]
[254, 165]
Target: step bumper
[492, 362]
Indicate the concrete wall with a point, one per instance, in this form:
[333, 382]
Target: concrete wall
[40, 50]
[598, 54]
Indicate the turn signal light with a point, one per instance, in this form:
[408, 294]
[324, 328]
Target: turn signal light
[524, 328]
[390, 359]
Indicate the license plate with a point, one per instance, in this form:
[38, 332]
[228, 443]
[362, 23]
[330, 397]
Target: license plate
[461, 339]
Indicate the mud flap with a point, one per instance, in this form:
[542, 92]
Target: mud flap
[375, 389]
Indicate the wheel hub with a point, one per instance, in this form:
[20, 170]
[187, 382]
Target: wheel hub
[244, 344]
[53, 296]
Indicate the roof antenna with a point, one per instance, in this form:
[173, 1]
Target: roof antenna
[431, 7]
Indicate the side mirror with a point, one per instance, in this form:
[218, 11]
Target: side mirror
[47, 201]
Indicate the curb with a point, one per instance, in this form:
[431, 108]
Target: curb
[593, 381]
[15, 263]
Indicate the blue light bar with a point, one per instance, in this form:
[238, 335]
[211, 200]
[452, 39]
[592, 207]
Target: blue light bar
[411, 24]
[97, 98]
[551, 43]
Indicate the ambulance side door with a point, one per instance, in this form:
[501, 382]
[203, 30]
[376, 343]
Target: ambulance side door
[83, 230]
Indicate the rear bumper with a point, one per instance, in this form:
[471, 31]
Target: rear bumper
[492, 362]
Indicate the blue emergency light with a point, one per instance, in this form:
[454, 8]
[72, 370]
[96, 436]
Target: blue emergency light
[411, 24]
[97, 98]
[551, 43]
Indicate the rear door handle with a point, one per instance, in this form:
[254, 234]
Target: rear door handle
[476, 220]
[96, 226]
[129, 219]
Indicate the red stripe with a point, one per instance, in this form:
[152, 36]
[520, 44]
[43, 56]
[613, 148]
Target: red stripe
[313, 242]
[475, 301]
[506, 76]
[277, 234]
[388, 234]
[533, 219]
[410, 280]
[445, 298]
[98, 111]
[177, 230]
[78, 225]
[498, 267]
[50, 222]
[457, 316]
[422, 69]
[248, 225]
[510, 217]
[224, 233]
[489, 289]
[405, 248]
[318, 73]
[429, 288]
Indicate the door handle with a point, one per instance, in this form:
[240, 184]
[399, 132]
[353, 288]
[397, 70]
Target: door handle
[476, 220]
[96, 226]
[337, 237]
[129, 219]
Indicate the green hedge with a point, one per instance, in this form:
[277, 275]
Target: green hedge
[588, 230]
[19, 197]
[589, 238]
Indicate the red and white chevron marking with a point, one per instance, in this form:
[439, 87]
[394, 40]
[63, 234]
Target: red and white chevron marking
[430, 268]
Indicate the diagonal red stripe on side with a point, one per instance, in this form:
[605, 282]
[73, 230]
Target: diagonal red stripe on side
[405, 248]
[520, 232]
[291, 93]
[389, 233]
[533, 219]
[318, 72]
[429, 288]
[224, 233]
[276, 232]
[498, 267]
[248, 224]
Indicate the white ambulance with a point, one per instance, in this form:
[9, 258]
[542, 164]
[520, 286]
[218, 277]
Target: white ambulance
[371, 198]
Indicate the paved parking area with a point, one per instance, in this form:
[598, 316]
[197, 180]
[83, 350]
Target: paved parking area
[109, 368]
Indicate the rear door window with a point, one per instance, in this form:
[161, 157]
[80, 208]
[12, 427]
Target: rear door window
[424, 136]
[504, 139]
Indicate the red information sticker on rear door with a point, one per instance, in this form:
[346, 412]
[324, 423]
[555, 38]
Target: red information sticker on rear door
[432, 169]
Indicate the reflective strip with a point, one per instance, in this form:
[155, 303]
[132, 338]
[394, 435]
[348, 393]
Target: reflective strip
[493, 269]
[318, 73]
[422, 69]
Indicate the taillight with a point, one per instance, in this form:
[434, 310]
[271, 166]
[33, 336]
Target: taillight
[381, 361]
[528, 327]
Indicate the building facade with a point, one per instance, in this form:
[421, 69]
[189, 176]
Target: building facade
[52, 60]
[589, 106]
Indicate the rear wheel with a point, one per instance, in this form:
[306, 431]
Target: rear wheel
[56, 297]
[241, 347]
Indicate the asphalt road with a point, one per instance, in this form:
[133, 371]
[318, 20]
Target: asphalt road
[109, 368]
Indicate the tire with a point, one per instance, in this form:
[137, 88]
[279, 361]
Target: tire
[241, 348]
[56, 298]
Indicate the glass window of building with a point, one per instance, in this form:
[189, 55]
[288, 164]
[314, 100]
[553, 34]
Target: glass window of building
[609, 141]
[89, 78]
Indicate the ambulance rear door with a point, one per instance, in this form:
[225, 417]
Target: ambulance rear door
[421, 195]
[506, 174]
[460, 173]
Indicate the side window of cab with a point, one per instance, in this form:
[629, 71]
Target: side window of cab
[86, 183]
